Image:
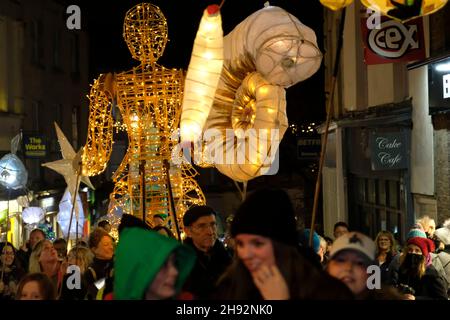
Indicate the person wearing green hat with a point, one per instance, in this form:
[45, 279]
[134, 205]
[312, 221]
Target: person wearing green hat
[150, 266]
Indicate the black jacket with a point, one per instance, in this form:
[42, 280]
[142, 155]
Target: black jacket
[97, 270]
[207, 270]
[430, 286]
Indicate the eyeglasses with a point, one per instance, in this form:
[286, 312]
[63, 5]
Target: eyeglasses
[204, 226]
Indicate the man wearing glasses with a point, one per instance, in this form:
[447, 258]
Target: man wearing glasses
[212, 258]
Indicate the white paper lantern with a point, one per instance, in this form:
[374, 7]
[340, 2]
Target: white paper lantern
[13, 174]
[63, 217]
[282, 49]
[32, 215]
[203, 74]
[267, 52]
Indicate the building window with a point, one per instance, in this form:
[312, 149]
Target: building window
[37, 111]
[58, 115]
[375, 205]
[56, 54]
[75, 55]
[75, 112]
[37, 42]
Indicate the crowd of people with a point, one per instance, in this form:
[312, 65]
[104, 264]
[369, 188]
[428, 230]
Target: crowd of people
[267, 258]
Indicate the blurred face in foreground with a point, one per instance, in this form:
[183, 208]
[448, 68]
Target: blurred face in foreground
[254, 251]
[31, 291]
[350, 267]
[163, 286]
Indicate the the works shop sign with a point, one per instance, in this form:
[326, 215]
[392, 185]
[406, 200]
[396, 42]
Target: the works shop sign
[34, 146]
[439, 86]
[390, 41]
[388, 150]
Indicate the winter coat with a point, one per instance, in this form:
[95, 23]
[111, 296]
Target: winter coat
[207, 270]
[11, 279]
[98, 270]
[430, 286]
[441, 261]
[140, 255]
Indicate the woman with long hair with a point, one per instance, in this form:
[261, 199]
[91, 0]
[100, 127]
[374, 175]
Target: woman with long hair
[417, 278]
[44, 258]
[267, 263]
[10, 271]
[385, 252]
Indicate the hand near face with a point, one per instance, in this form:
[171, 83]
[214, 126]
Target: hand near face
[270, 283]
[409, 297]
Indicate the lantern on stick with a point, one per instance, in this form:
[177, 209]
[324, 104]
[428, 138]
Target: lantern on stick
[65, 212]
[32, 215]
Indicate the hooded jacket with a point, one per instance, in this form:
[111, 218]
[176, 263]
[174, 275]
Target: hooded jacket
[139, 257]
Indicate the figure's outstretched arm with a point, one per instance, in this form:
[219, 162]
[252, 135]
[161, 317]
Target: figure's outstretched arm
[97, 150]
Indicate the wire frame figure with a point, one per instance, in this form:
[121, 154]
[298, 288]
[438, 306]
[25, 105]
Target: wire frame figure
[148, 98]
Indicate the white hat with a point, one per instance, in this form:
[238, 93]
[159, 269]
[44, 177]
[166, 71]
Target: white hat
[354, 241]
[444, 233]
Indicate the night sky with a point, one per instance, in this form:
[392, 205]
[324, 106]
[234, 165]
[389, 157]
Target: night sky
[108, 52]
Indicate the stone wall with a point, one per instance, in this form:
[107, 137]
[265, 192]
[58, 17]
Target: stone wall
[442, 173]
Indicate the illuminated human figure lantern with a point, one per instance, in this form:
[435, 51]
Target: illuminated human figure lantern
[148, 98]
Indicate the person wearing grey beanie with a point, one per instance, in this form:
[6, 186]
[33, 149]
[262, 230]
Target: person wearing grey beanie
[267, 264]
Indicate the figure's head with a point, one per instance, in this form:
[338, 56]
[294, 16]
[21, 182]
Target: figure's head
[428, 224]
[7, 253]
[201, 226]
[60, 246]
[385, 241]
[158, 220]
[145, 32]
[340, 228]
[36, 286]
[35, 236]
[101, 244]
[105, 225]
[350, 256]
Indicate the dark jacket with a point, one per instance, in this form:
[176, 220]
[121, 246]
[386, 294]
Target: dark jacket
[430, 286]
[75, 293]
[207, 270]
[97, 270]
[11, 279]
[384, 267]
[23, 258]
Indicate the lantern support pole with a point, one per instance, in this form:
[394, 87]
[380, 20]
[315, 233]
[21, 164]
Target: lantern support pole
[327, 124]
[171, 201]
[74, 198]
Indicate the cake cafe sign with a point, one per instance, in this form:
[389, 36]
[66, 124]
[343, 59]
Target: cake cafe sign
[388, 150]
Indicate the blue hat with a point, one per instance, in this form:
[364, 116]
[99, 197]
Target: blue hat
[415, 233]
[316, 239]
